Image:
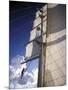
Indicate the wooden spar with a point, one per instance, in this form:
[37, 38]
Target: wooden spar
[36, 38]
[30, 59]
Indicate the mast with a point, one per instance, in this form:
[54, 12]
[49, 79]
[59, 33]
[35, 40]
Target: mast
[41, 72]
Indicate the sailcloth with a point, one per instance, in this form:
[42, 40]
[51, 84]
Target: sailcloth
[54, 24]
[56, 47]
[33, 48]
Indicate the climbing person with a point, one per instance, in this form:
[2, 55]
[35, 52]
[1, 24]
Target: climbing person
[22, 72]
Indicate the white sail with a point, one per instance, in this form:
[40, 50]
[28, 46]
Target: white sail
[55, 65]
[33, 48]
[56, 45]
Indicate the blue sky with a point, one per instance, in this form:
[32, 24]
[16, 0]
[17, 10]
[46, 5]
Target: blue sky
[21, 21]
[22, 15]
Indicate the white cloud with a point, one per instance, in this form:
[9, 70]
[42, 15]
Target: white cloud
[28, 80]
[35, 74]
